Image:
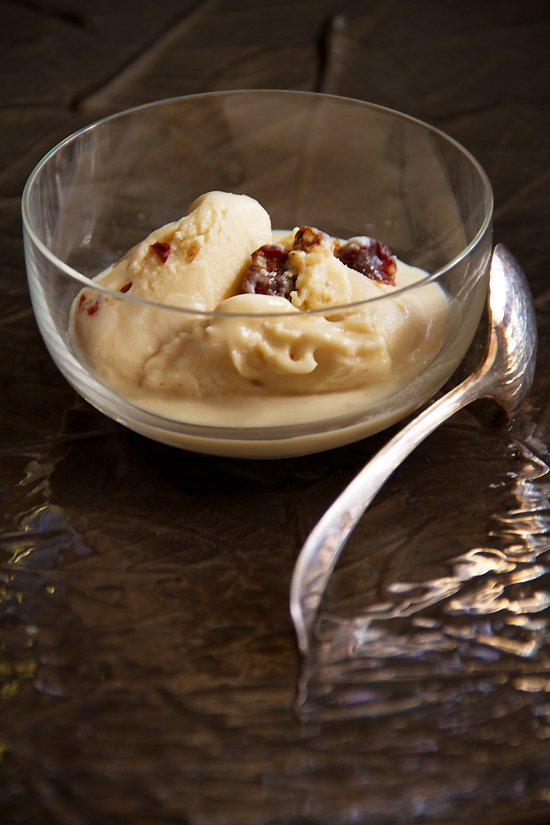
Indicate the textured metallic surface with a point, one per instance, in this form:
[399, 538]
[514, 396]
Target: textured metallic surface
[148, 660]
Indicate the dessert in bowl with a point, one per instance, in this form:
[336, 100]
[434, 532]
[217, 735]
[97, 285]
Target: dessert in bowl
[193, 276]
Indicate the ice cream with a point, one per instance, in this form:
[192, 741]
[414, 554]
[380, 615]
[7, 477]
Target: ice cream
[263, 329]
[194, 263]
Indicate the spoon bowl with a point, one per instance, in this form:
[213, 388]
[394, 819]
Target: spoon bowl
[505, 374]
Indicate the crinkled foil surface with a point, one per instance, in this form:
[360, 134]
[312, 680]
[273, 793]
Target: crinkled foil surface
[149, 668]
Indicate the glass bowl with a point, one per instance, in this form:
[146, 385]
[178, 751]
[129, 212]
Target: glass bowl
[347, 167]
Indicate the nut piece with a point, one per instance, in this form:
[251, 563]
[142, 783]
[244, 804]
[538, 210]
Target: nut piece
[268, 275]
[370, 257]
[307, 237]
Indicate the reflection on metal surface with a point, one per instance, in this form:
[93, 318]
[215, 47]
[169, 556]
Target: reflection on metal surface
[148, 663]
[489, 611]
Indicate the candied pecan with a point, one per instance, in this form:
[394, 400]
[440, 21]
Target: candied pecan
[267, 274]
[162, 249]
[370, 257]
[307, 237]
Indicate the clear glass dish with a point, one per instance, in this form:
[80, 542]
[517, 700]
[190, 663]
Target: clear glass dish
[347, 167]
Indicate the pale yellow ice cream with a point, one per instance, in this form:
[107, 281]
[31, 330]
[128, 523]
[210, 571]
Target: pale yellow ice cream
[208, 253]
[259, 360]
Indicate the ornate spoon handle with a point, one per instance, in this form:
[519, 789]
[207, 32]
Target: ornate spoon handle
[326, 541]
[505, 374]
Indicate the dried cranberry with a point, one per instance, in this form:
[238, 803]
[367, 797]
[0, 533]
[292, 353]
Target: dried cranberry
[370, 257]
[81, 300]
[91, 310]
[267, 274]
[307, 237]
[162, 249]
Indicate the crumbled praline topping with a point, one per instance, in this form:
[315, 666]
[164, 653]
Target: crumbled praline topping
[370, 257]
[271, 273]
[268, 274]
[307, 237]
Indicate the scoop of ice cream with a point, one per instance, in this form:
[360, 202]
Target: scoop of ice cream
[262, 344]
[194, 263]
[307, 326]
[199, 260]
[268, 346]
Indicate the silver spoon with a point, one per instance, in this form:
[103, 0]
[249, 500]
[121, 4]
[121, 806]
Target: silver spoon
[505, 375]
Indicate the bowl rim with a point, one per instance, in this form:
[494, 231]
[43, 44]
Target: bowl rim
[87, 282]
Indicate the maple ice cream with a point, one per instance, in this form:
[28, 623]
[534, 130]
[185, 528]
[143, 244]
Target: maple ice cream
[272, 329]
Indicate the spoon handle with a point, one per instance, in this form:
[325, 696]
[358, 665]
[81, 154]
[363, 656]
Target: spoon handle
[324, 544]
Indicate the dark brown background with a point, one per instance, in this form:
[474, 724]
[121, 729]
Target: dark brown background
[148, 661]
